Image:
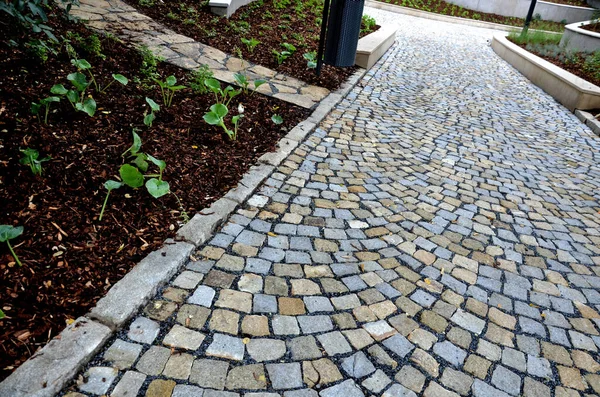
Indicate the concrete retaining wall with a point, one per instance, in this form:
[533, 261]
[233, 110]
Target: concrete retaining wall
[518, 8]
[579, 39]
[571, 91]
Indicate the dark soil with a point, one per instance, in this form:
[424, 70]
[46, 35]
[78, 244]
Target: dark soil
[593, 27]
[574, 63]
[445, 8]
[272, 22]
[70, 258]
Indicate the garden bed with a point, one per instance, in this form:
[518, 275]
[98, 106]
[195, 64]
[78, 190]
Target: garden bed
[445, 8]
[271, 22]
[567, 88]
[584, 65]
[70, 258]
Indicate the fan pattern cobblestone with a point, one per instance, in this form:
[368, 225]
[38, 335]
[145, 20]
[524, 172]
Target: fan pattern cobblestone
[438, 235]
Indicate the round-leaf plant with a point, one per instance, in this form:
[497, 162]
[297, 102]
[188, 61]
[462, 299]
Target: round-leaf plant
[8, 232]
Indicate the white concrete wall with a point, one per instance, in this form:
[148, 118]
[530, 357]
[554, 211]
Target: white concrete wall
[518, 8]
[579, 39]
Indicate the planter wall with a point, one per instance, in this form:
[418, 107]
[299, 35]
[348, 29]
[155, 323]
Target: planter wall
[518, 8]
[373, 46]
[226, 8]
[571, 91]
[576, 38]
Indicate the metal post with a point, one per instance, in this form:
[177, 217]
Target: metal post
[322, 38]
[528, 18]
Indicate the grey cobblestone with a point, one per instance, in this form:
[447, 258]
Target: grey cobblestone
[440, 227]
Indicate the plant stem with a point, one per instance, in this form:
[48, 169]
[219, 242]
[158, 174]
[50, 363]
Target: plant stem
[46, 115]
[104, 206]
[13, 254]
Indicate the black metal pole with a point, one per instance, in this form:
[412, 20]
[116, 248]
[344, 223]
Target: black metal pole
[322, 38]
[528, 18]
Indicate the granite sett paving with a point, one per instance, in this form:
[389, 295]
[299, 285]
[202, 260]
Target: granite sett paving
[437, 235]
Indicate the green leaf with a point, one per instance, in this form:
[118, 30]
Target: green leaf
[35, 108]
[245, 41]
[137, 143]
[212, 118]
[140, 162]
[213, 85]
[219, 109]
[72, 96]
[2, 315]
[277, 119]
[89, 106]
[112, 185]
[81, 64]
[157, 188]
[148, 119]
[131, 176]
[171, 81]
[58, 89]
[29, 154]
[78, 80]
[49, 99]
[153, 105]
[258, 83]
[237, 118]
[176, 87]
[240, 79]
[8, 232]
[161, 164]
[120, 78]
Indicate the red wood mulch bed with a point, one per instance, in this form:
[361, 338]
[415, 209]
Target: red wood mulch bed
[272, 22]
[70, 258]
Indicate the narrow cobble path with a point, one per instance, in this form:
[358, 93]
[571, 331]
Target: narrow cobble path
[438, 235]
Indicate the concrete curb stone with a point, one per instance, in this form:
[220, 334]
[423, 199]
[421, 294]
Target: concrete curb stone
[47, 371]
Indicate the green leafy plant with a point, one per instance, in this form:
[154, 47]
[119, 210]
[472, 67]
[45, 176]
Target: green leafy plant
[311, 59]
[31, 14]
[221, 96]
[277, 119]
[242, 80]
[41, 49]
[82, 64]
[216, 116]
[45, 103]
[149, 67]
[168, 89]
[150, 117]
[7, 233]
[285, 54]
[109, 185]
[77, 96]
[250, 43]
[31, 159]
[368, 24]
[133, 174]
[197, 79]
[289, 47]
[2, 315]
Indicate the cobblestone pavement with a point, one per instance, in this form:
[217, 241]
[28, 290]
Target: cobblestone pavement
[438, 235]
[118, 18]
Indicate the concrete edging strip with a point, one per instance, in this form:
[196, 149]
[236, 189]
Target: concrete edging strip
[50, 369]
